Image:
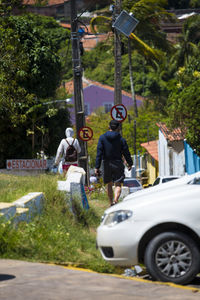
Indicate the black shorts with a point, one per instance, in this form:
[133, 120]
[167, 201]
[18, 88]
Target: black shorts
[113, 171]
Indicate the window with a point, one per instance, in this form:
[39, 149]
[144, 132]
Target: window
[196, 180]
[108, 107]
[131, 183]
[157, 181]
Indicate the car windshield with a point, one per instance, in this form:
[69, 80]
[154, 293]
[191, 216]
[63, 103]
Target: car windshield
[196, 180]
[131, 183]
[156, 181]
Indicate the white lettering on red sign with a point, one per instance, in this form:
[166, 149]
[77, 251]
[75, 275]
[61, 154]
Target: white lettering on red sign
[28, 164]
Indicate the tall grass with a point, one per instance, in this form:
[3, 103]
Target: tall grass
[56, 236]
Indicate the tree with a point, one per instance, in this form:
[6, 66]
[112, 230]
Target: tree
[29, 60]
[188, 41]
[178, 4]
[184, 102]
[6, 7]
[150, 14]
[30, 72]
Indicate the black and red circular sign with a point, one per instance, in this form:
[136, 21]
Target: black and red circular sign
[118, 112]
[85, 133]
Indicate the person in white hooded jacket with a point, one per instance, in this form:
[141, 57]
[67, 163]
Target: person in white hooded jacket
[69, 132]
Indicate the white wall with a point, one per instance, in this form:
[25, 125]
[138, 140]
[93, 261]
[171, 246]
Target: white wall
[175, 165]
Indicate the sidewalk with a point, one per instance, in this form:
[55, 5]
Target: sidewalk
[34, 281]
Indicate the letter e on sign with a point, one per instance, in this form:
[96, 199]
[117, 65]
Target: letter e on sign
[118, 112]
[85, 133]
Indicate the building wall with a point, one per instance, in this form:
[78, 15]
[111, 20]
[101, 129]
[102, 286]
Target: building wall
[95, 97]
[171, 159]
[152, 169]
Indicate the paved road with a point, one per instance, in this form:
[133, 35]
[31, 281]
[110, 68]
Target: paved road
[34, 281]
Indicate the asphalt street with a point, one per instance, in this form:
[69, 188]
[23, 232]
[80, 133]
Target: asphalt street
[21, 280]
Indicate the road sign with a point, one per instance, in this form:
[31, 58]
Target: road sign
[85, 133]
[118, 112]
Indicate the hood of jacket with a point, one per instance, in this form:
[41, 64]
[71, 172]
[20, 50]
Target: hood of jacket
[112, 135]
[69, 132]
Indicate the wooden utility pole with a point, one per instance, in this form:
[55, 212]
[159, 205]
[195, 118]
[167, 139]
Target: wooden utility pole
[117, 54]
[78, 87]
[131, 78]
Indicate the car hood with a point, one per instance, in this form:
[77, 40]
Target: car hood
[161, 196]
[163, 188]
[162, 200]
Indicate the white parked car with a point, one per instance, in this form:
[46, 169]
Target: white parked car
[164, 179]
[159, 227]
[133, 184]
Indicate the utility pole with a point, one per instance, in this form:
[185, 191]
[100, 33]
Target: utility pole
[117, 54]
[78, 87]
[131, 78]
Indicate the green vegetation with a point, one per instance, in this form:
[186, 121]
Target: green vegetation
[56, 236]
[165, 73]
[32, 63]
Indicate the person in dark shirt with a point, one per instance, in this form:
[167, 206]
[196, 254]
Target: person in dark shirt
[112, 150]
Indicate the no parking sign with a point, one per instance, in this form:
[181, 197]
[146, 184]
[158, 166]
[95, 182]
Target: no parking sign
[85, 133]
[118, 112]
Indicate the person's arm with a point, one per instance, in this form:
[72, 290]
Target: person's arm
[59, 153]
[77, 146]
[99, 156]
[126, 154]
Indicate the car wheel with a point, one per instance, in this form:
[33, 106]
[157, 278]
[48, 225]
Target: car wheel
[173, 257]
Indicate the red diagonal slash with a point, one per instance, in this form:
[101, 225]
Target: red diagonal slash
[119, 112]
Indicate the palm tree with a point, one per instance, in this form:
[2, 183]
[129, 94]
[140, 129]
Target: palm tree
[149, 13]
[188, 41]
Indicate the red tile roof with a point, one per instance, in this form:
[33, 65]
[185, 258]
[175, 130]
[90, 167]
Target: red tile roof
[152, 148]
[176, 134]
[50, 2]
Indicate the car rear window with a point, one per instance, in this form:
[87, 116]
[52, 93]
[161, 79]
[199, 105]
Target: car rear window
[131, 183]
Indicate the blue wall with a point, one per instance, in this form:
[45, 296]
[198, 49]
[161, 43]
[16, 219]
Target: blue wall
[192, 160]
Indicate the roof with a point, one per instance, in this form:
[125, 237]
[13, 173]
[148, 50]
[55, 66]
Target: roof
[152, 148]
[176, 134]
[69, 86]
[50, 2]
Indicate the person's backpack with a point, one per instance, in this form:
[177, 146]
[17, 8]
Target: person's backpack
[71, 153]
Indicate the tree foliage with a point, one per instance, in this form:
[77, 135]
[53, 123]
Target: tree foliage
[184, 102]
[30, 72]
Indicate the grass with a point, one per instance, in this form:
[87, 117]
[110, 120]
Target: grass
[56, 236]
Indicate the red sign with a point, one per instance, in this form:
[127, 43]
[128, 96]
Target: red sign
[26, 164]
[118, 112]
[85, 133]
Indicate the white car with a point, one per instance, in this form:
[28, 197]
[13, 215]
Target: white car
[159, 227]
[133, 184]
[164, 179]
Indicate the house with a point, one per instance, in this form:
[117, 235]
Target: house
[58, 9]
[171, 152]
[151, 160]
[97, 95]
[174, 28]
[192, 160]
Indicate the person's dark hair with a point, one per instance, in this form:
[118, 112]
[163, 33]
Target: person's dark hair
[114, 124]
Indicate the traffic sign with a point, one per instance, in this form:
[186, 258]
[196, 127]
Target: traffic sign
[118, 112]
[85, 133]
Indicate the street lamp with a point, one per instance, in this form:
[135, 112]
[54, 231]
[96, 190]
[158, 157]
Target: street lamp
[125, 23]
[68, 100]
